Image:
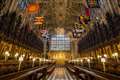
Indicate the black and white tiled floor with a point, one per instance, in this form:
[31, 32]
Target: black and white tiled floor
[61, 73]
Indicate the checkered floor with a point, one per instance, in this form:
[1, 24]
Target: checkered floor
[61, 73]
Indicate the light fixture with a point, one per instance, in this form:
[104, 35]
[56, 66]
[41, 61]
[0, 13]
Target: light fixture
[33, 62]
[34, 59]
[97, 18]
[115, 54]
[91, 58]
[20, 62]
[20, 58]
[103, 60]
[99, 56]
[105, 55]
[88, 60]
[30, 57]
[7, 53]
[23, 55]
[81, 60]
[16, 55]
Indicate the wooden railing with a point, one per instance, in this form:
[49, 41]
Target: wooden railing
[85, 74]
[35, 73]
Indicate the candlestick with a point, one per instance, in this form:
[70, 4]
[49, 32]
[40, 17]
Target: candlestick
[6, 55]
[115, 55]
[88, 60]
[81, 62]
[20, 62]
[33, 62]
[16, 56]
[103, 60]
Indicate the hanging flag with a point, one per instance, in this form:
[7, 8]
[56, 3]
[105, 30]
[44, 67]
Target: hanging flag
[84, 2]
[33, 8]
[44, 33]
[93, 3]
[22, 4]
[77, 31]
[87, 17]
[39, 20]
[87, 12]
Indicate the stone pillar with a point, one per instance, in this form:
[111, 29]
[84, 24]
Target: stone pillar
[74, 47]
[45, 47]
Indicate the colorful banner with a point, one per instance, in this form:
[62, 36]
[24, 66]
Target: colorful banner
[33, 8]
[39, 20]
[23, 4]
[93, 3]
[84, 19]
[87, 12]
[77, 31]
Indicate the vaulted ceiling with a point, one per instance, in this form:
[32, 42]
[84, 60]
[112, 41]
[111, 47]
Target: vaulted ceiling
[61, 13]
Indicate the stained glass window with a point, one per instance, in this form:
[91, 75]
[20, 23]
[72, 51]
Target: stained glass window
[60, 43]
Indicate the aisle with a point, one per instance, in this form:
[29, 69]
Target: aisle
[60, 73]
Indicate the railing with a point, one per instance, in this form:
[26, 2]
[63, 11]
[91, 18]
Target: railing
[85, 74]
[35, 73]
[15, 74]
[107, 75]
